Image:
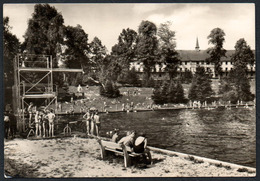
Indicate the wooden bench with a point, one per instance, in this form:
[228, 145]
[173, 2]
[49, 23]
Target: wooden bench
[120, 149]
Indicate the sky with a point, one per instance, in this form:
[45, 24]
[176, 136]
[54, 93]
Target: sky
[189, 20]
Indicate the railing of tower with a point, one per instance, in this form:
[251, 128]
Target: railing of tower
[34, 61]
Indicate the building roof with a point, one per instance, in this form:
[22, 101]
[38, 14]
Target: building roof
[194, 55]
[201, 55]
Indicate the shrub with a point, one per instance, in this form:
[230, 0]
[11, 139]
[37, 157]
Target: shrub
[109, 90]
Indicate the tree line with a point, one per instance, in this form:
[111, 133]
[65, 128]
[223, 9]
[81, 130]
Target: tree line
[70, 46]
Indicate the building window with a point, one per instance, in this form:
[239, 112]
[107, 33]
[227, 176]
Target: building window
[185, 63]
[160, 75]
[207, 63]
[226, 69]
[181, 69]
[231, 69]
[180, 63]
[198, 63]
[231, 63]
[226, 63]
[160, 69]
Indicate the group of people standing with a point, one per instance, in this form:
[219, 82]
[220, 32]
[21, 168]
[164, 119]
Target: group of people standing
[92, 120]
[43, 120]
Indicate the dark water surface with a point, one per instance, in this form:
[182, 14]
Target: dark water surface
[227, 135]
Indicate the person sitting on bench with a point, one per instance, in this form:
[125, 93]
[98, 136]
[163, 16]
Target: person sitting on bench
[115, 136]
[128, 140]
[140, 146]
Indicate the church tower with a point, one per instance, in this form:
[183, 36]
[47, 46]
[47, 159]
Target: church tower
[197, 48]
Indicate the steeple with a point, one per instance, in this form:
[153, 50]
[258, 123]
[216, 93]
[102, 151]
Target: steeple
[197, 45]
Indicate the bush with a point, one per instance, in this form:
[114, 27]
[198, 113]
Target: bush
[169, 92]
[110, 90]
[230, 96]
[236, 87]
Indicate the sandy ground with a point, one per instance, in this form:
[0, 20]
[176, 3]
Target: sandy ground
[80, 157]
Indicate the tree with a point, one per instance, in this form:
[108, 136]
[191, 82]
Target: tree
[216, 37]
[124, 50]
[176, 93]
[130, 77]
[200, 89]
[147, 46]
[169, 55]
[169, 92]
[44, 32]
[243, 55]
[11, 48]
[97, 53]
[186, 76]
[98, 60]
[160, 93]
[77, 47]
[236, 86]
[75, 52]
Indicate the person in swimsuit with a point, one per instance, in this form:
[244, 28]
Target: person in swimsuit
[30, 111]
[92, 123]
[87, 118]
[97, 122]
[45, 125]
[128, 140]
[51, 117]
[38, 127]
[115, 136]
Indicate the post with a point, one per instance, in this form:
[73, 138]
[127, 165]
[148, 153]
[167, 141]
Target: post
[23, 114]
[56, 104]
[51, 76]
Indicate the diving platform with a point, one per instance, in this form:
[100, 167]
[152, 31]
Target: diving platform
[38, 88]
[39, 96]
[31, 69]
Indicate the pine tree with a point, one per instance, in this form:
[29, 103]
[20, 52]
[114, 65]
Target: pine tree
[201, 86]
[160, 94]
[169, 92]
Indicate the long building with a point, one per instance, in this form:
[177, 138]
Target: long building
[189, 61]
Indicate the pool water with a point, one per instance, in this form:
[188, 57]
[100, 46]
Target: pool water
[227, 135]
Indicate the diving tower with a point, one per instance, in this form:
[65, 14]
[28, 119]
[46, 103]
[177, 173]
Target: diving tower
[33, 81]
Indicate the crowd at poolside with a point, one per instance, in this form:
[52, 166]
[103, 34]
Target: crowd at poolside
[40, 121]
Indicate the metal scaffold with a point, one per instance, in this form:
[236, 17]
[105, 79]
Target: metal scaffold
[33, 80]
